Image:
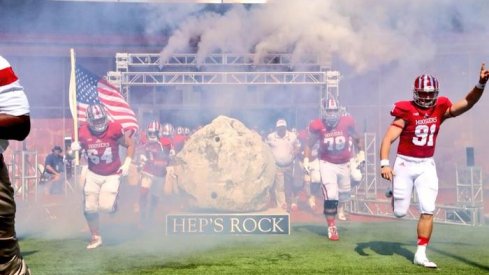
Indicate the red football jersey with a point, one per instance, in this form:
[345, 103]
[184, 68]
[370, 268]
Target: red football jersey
[166, 142]
[158, 159]
[103, 150]
[418, 138]
[335, 145]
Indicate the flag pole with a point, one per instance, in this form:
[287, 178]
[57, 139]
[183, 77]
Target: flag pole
[73, 103]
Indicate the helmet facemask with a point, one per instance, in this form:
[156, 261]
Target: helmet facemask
[425, 92]
[330, 112]
[97, 119]
[153, 131]
[152, 135]
[425, 99]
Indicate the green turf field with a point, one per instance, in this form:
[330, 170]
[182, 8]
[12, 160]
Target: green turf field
[364, 248]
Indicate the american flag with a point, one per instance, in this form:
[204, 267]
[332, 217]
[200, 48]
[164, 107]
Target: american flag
[91, 89]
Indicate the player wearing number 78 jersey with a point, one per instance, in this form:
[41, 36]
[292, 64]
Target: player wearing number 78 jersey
[416, 124]
[100, 139]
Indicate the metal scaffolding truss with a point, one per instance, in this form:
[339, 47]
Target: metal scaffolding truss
[125, 61]
[148, 69]
[219, 78]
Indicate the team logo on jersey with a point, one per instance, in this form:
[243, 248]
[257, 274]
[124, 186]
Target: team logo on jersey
[426, 120]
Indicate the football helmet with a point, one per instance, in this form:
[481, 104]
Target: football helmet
[179, 130]
[425, 91]
[97, 118]
[330, 111]
[167, 129]
[153, 131]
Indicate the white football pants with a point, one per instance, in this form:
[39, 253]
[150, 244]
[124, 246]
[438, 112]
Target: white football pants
[419, 173]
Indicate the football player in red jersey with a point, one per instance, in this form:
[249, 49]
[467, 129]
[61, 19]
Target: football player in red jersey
[179, 140]
[100, 139]
[167, 141]
[416, 124]
[14, 124]
[337, 137]
[154, 159]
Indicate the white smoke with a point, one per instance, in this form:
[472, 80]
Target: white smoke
[362, 34]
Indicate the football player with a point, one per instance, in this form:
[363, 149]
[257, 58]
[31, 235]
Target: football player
[179, 139]
[154, 160]
[416, 124]
[100, 139]
[336, 135]
[14, 124]
[167, 141]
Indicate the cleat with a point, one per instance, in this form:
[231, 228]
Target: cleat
[95, 242]
[423, 261]
[333, 233]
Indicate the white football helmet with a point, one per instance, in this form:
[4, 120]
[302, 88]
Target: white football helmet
[330, 111]
[425, 91]
[97, 118]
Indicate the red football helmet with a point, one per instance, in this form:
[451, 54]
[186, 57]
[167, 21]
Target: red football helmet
[330, 111]
[425, 90]
[97, 118]
[153, 131]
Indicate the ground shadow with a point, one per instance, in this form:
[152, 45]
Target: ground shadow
[384, 248]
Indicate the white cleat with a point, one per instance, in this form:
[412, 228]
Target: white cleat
[423, 261]
[95, 242]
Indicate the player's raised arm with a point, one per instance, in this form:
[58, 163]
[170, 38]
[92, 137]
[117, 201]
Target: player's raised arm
[471, 98]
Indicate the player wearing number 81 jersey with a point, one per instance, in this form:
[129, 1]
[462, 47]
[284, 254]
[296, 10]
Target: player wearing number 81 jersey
[100, 140]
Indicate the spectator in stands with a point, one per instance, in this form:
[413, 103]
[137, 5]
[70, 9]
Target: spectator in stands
[54, 170]
[285, 145]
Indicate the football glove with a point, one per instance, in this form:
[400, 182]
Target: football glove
[124, 169]
[75, 146]
[143, 158]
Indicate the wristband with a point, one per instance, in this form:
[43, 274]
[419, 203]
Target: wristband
[480, 86]
[384, 162]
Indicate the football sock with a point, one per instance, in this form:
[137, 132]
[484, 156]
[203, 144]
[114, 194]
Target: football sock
[423, 240]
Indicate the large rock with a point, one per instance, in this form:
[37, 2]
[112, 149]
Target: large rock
[226, 167]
